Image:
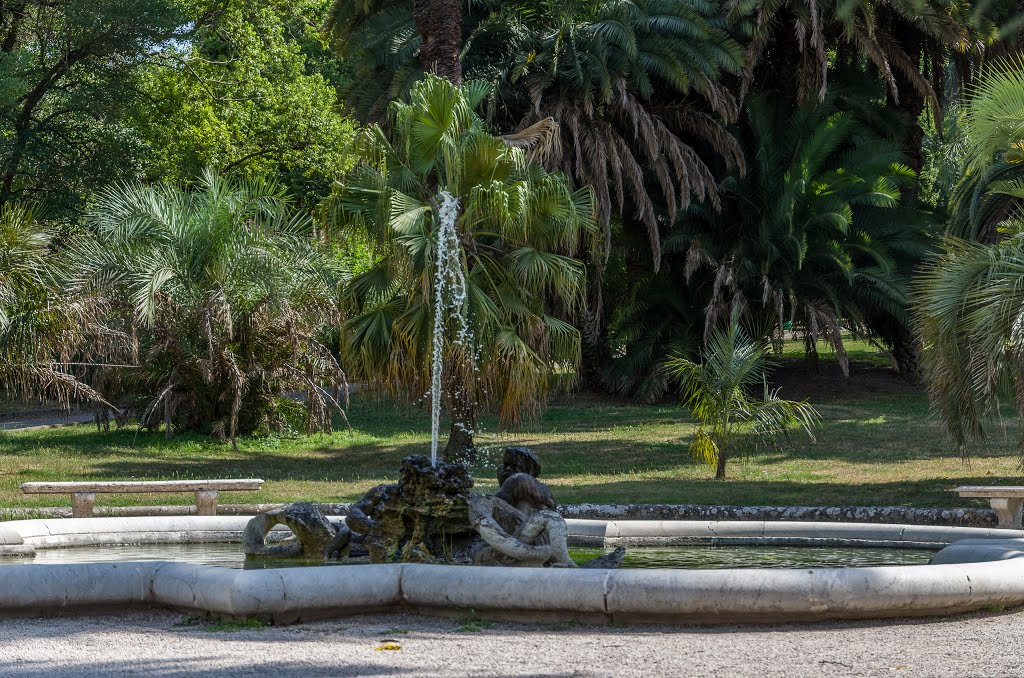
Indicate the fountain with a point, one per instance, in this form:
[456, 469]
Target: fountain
[430, 515]
[411, 533]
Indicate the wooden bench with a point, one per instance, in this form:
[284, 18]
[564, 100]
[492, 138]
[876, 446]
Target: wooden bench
[1007, 501]
[83, 495]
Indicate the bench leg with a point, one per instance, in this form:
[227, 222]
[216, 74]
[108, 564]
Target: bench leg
[1008, 511]
[206, 502]
[82, 504]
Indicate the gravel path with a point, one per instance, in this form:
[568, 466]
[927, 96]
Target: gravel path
[27, 421]
[155, 643]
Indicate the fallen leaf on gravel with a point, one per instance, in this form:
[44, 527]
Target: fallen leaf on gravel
[388, 646]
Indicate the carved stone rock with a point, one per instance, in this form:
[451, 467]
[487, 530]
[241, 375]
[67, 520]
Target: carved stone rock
[423, 518]
[518, 460]
[313, 532]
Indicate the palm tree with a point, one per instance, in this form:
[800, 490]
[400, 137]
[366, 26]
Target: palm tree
[42, 330]
[814, 232]
[635, 88]
[632, 87]
[969, 299]
[970, 306]
[718, 392]
[794, 44]
[992, 187]
[231, 293]
[371, 32]
[518, 227]
[797, 35]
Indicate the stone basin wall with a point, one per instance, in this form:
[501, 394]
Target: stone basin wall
[901, 515]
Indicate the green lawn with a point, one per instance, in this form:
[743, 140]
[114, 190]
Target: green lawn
[877, 446]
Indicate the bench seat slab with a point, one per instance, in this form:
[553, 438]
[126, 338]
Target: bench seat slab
[991, 491]
[139, 486]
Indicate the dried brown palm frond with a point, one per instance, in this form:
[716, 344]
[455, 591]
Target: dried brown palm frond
[893, 36]
[539, 140]
[615, 148]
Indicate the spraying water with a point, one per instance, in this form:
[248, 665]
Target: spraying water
[449, 302]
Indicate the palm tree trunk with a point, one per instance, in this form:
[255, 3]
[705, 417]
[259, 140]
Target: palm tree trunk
[593, 352]
[811, 352]
[460, 447]
[720, 466]
[439, 23]
[906, 351]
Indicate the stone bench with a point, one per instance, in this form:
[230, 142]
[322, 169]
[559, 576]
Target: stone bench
[1006, 500]
[83, 494]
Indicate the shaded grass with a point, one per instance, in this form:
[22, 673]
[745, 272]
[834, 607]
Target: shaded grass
[876, 446]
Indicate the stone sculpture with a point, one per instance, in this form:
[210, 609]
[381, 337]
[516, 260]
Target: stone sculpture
[311, 529]
[431, 516]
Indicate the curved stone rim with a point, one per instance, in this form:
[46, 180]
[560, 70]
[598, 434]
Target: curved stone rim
[995, 577]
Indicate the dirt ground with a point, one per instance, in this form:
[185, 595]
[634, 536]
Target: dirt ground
[158, 643]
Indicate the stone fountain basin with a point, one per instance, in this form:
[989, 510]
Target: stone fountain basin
[985, 570]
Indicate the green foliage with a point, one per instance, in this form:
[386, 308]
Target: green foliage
[815, 230]
[248, 95]
[969, 311]
[717, 392]
[518, 226]
[228, 291]
[69, 78]
[637, 91]
[992, 166]
[41, 330]
[795, 42]
[969, 299]
[634, 89]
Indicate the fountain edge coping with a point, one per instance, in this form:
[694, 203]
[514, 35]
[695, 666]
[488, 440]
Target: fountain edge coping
[16, 535]
[985, 569]
[537, 594]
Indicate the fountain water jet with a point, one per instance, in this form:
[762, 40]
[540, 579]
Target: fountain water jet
[449, 300]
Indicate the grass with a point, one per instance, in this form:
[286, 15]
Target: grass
[472, 624]
[878, 445]
[215, 624]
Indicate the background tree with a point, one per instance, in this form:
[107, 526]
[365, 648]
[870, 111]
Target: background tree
[45, 336]
[815, 233]
[251, 93]
[991, 168]
[231, 293]
[634, 89]
[430, 30]
[69, 75]
[969, 312]
[518, 227]
[969, 300]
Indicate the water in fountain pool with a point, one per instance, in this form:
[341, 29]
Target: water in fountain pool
[681, 557]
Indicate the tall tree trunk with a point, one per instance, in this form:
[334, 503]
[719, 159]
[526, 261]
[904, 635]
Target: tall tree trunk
[593, 351]
[906, 351]
[911, 101]
[902, 343]
[439, 23]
